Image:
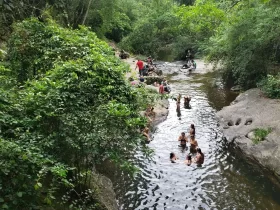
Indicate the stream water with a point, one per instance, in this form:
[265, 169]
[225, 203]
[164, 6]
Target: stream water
[225, 181]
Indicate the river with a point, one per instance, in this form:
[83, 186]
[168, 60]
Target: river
[225, 181]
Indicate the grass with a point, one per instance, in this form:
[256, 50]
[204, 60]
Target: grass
[260, 134]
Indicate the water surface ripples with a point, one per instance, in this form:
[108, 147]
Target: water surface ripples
[225, 181]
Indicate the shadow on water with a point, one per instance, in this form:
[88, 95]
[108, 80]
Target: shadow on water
[225, 181]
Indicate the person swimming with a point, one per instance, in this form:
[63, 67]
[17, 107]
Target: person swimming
[173, 157]
[189, 159]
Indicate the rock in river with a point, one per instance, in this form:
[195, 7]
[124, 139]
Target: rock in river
[252, 110]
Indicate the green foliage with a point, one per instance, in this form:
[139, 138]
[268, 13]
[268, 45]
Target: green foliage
[34, 47]
[270, 86]
[153, 35]
[77, 111]
[260, 134]
[174, 30]
[246, 44]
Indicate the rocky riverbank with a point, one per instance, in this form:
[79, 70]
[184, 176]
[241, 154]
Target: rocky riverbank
[251, 110]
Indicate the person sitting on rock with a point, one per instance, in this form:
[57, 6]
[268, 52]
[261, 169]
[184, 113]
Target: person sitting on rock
[166, 86]
[145, 70]
[152, 113]
[183, 139]
[145, 133]
[150, 60]
[191, 67]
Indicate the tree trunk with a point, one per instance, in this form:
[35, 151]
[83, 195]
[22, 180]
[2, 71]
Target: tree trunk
[85, 17]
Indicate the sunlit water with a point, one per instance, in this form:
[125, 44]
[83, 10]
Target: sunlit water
[225, 181]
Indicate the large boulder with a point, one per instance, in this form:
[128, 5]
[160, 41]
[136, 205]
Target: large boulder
[249, 111]
[105, 194]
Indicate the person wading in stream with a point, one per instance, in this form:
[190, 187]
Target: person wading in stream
[187, 102]
[199, 159]
[192, 130]
[183, 140]
[194, 144]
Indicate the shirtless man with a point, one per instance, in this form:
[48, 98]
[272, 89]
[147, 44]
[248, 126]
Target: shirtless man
[183, 139]
[194, 144]
[199, 159]
[187, 101]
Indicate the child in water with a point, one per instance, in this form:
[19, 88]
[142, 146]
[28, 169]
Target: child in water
[189, 159]
[173, 157]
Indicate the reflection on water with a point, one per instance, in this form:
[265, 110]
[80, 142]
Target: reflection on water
[225, 181]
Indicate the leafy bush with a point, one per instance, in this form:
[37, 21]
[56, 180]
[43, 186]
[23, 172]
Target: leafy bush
[260, 134]
[245, 45]
[56, 126]
[270, 86]
[34, 47]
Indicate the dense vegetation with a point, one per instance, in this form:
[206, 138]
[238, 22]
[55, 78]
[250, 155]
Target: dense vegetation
[65, 104]
[240, 36]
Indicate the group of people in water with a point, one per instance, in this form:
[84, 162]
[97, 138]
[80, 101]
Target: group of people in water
[183, 138]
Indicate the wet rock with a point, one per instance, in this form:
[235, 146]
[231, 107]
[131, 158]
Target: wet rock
[251, 111]
[150, 80]
[251, 135]
[161, 110]
[152, 88]
[103, 187]
[235, 88]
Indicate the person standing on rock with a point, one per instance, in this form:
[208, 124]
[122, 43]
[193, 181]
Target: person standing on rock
[140, 65]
